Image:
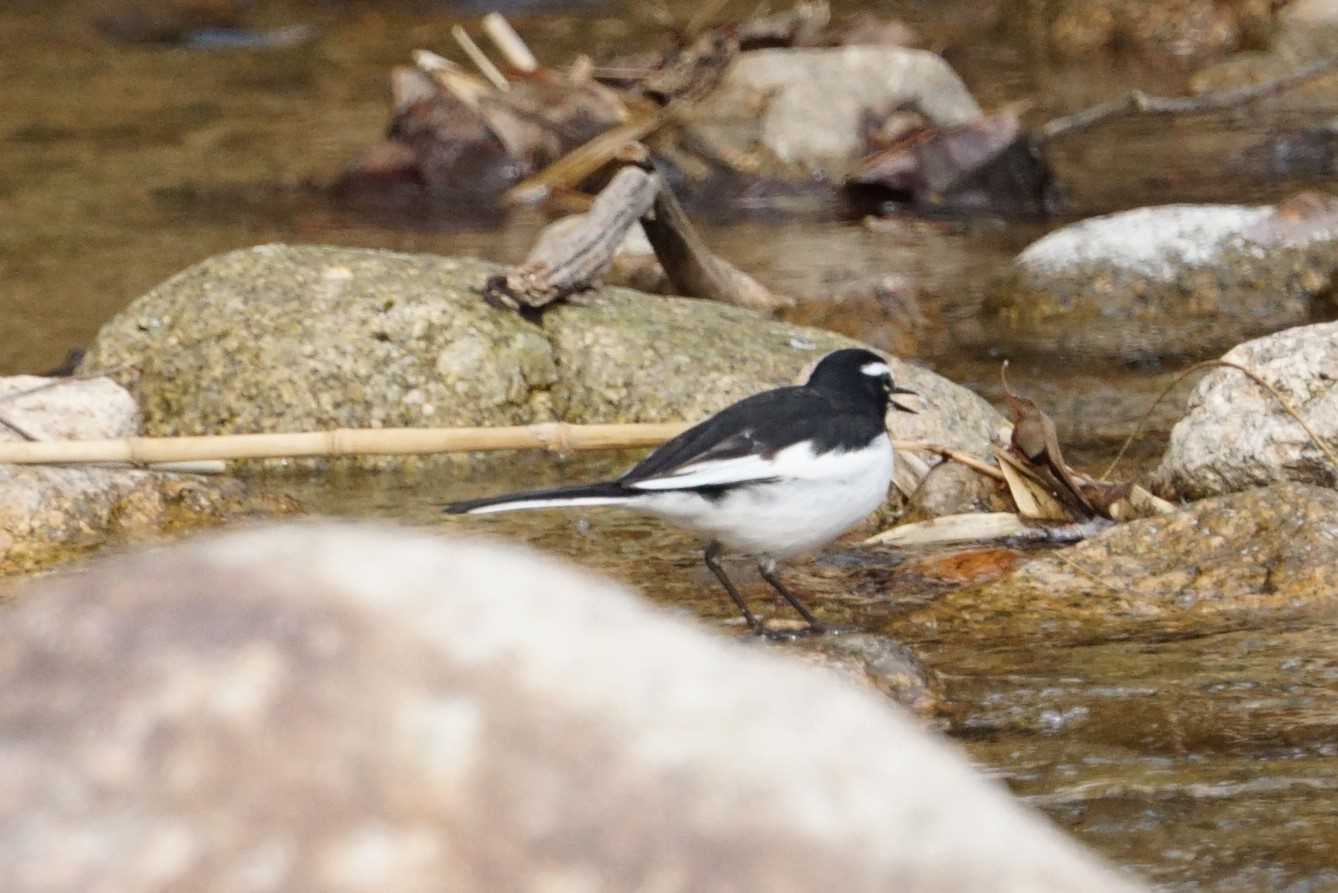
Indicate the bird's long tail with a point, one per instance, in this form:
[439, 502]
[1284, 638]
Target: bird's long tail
[610, 493]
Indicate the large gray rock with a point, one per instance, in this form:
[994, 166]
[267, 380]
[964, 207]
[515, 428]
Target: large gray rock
[815, 104]
[1235, 435]
[1271, 552]
[284, 338]
[280, 338]
[1176, 280]
[343, 708]
[49, 513]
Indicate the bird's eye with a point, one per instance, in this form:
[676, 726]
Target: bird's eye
[887, 383]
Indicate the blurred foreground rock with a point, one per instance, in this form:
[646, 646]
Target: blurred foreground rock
[333, 707]
[1269, 552]
[51, 512]
[1235, 435]
[1175, 280]
[282, 338]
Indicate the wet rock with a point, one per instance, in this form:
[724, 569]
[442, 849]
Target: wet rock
[271, 710]
[876, 662]
[302, 338]
[817, 102]
[1175, 280]
[1270, 552]
[1235, 435]
[51, 514]
[48, 513]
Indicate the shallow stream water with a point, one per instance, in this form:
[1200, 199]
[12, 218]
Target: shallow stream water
[1200, 763]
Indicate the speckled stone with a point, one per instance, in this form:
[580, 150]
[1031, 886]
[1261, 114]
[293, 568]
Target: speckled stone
[1235, 435]
[345, 707]
[1170, 281]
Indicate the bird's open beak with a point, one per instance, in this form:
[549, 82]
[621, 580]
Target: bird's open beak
[899, 406]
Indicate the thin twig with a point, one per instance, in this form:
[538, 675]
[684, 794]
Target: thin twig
[1223, 364]
[1136, 102]
[18, 429]
[971, 462]
[480, 59]
[64, 380]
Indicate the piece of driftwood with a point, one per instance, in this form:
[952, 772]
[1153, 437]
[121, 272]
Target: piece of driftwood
[694, 269]
[480, 59]
[573, 253]
[1136, 102]
[695, 67]
[580, 163]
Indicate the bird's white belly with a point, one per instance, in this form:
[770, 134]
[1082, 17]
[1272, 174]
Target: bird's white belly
[790, 516]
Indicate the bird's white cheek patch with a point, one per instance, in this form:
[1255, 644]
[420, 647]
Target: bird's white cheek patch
[874, 370]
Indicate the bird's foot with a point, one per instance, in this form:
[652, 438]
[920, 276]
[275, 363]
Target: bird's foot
[791, 633]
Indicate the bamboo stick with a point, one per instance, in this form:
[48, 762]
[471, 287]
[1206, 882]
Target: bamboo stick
[556, 436]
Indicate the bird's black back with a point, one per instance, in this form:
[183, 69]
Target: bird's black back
[765, 424]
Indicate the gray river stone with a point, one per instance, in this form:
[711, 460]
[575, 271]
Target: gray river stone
[1235, 435]
[49, 513]
[343, 707]
[1267, 553]
[1169, 281]
[810, 107]
[281, 338]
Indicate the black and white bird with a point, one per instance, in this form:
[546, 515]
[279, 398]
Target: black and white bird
[775, 475]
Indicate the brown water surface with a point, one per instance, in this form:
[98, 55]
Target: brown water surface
[1203, 763]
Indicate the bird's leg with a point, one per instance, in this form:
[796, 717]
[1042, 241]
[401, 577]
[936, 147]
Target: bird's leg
[768, 569]
[713, 562]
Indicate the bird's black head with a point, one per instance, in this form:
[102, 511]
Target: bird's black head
[859, 375]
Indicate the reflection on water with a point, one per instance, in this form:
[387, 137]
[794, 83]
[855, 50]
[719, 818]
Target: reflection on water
[1200, 763]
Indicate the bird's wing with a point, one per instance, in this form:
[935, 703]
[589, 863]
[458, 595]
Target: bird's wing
[761, 438]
